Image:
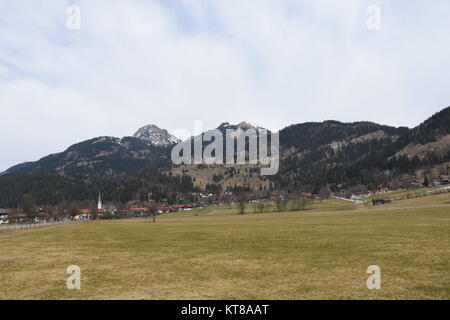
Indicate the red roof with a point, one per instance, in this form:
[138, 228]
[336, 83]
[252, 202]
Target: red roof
[139, 209]
[181, 206]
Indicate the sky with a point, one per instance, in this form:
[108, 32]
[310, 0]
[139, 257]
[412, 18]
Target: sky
[170, 63]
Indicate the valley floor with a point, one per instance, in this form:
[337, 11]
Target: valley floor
[319, 254]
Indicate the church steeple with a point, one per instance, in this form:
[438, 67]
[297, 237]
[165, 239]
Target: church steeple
[99, 205]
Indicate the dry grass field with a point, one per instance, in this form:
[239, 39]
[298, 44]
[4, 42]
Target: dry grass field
[322, 253]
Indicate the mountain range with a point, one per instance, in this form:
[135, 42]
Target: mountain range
[328, 154]
[106, 156]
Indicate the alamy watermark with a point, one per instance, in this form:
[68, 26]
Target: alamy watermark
[74, 281]
[374, 17]
[374, 281]
[73, 21]
[253, 146]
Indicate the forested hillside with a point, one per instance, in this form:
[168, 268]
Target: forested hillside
[330, 154]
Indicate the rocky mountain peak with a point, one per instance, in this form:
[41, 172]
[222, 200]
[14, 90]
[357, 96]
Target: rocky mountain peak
[156, 136]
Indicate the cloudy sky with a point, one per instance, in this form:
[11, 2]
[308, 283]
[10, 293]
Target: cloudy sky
[171, 62]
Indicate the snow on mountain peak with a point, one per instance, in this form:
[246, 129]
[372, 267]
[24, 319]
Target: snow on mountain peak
[156, 136]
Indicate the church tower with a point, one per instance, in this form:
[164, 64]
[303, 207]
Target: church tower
[99, 205]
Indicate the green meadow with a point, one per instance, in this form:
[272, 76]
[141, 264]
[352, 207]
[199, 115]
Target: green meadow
[321, 253]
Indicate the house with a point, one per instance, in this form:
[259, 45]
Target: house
[181, 207]
[377, 202]
[417, 183]
[166, 209]
[444, 179]
[110, 208]
[5, 213]
[100, 213]
[84, 214]
[18, 217]
[42, 215]
[308, 195]
[138, 211]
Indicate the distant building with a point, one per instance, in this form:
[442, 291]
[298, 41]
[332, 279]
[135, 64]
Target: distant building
[308, 195]
[42, 214]
[110, 208]
[377, 202]
[164, 209]
[99, 204]
[184, 207]
[417, 183]
[84, 214]
[138, 211]
[5, 215]
[444, 179]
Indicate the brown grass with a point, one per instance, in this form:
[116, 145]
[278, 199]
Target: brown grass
[320, 254]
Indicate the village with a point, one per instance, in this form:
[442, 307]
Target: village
[138, 209]
[150, 208]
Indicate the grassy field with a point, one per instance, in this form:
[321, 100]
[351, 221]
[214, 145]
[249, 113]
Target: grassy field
[333, 205]
[409, 193]
[318, 254]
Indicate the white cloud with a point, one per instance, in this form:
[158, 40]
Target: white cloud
[269, 62]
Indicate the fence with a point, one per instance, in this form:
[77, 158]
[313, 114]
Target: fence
[422, 194]
[24, 226]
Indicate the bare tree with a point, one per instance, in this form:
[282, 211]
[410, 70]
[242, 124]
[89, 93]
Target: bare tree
[324, 193]
[28, 205]
[296, 204]
[242, 203]
[281, 204]
[153, 211]
[260, 206]
[278, 203]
